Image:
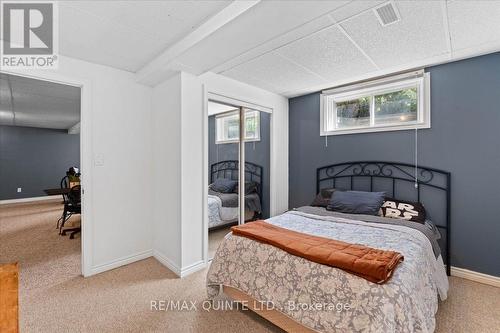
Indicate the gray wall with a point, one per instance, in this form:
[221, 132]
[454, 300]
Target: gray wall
[464, 139]
[34, 159]
[258, 153]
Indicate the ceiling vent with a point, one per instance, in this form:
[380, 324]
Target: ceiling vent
[387, 14]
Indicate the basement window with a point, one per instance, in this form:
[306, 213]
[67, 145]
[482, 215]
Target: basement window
[227, 127]
[399, 102]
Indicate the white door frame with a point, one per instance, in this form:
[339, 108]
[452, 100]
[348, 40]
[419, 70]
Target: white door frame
[233, 101]
[85, 153]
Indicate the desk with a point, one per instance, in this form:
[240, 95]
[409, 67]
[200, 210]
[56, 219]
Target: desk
[56, 191]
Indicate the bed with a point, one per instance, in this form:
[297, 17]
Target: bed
[223, 207]
[309, 297]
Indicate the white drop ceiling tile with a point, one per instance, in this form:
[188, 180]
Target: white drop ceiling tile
[354, 8]
[260, 24]
[128, 34]
[279, 72]
[329, 53]
[284, 39]
[241, 76]
[165, 19]
[195, 10]
[420, 34]
[473, 23]
[91, 38]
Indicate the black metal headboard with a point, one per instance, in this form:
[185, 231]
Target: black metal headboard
[397, 180]
[229, 169]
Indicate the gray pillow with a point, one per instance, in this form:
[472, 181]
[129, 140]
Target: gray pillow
[356, 202]
[323, 198]
[223, 185]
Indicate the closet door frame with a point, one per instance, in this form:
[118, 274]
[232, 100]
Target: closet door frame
[241, 167]
[242, 106]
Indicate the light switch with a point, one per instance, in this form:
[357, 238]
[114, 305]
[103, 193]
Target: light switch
[99, 160]
[19, 190]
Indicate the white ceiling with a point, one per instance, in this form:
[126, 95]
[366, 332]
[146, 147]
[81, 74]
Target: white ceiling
[127, 34]
[35, 103]
[288, 47]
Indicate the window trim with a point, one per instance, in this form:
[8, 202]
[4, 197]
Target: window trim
[236, 140]
[378, 87]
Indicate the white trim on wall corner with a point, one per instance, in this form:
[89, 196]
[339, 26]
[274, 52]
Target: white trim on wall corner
[180, 272]
[167, 262]
[33, 199]
[476, 276]
[185, 271]
[120, 262]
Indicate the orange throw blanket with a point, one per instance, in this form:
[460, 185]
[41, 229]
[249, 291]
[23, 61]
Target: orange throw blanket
[371, 264]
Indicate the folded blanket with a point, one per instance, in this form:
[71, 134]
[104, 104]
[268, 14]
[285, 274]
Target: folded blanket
[371, 264]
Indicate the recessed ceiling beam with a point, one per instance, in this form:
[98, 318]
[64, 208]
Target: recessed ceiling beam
[446, 24]
[158, 69]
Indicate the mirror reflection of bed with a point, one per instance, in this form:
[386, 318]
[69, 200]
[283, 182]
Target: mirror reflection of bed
[223, 172]
[223, 203]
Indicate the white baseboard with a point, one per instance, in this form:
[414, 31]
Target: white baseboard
[120, 262]
[185, 271]
[476, 276]
[167, 262]
[180, 272]
[44, 198]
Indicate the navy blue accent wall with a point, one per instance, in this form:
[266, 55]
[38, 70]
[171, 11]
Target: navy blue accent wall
[257, 152]
[34, 159]
[464, 139]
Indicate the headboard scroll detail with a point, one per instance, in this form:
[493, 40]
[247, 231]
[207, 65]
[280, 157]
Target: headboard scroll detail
[230, 169]
[394, 173]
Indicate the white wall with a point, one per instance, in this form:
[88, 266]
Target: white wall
[192, 174]
[149, 197]
[190, 206]
[166, 110]
[116, 125]
[178, 146]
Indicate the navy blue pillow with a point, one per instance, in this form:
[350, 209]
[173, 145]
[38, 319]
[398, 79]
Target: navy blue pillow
[224, 185]
[356, 202]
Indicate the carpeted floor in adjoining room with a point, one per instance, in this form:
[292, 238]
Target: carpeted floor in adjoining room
[55, 298]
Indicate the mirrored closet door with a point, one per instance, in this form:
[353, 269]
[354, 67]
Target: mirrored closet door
[257, 164]
[238, 168]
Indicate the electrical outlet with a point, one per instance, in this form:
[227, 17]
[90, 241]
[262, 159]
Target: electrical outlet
[19, 189]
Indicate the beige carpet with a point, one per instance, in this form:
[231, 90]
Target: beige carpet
[54, 298]
[214, 239]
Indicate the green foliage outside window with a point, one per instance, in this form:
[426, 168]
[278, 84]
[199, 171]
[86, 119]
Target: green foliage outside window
[402, 101]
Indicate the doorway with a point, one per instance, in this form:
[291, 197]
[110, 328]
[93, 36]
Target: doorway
[57, 98]
[238, 168]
